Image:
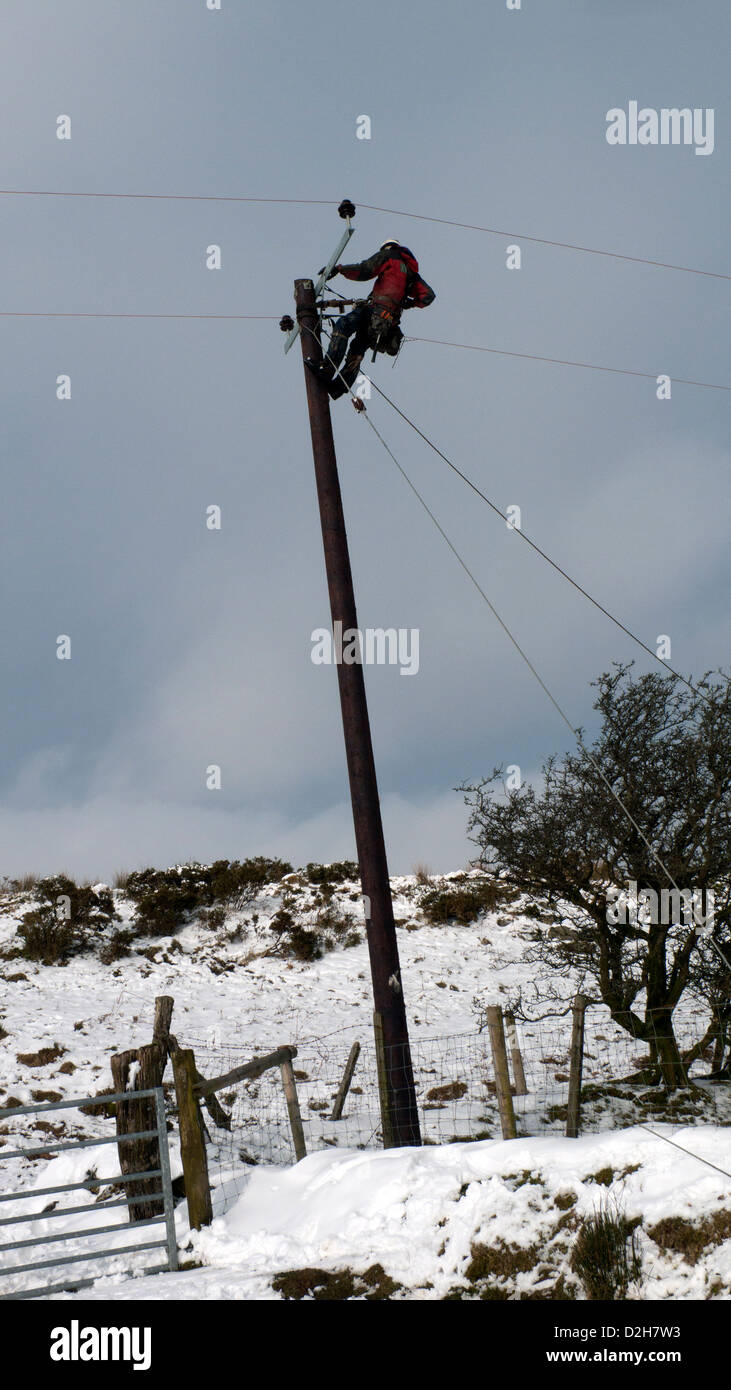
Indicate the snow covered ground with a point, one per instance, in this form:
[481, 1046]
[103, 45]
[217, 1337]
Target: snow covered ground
[423, 1216]
[486, 1220]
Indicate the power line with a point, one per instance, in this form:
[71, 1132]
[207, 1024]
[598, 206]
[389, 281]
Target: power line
[265, 318]
[524, 656]
[164, 197]
[567, 362]
[368, 207]
[698, 1158]
[559, 709]
[453, 466]
[544, 241]
[534, 546]
[42, 314]
[557, 361]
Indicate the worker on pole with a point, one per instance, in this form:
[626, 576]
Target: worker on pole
[373, 322]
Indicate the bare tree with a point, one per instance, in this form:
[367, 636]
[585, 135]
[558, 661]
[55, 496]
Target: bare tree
[666, 753]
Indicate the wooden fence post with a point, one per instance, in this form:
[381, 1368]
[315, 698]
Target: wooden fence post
[502, 1075]
[344, 1086]
[192, 1142]
[135, 1115]
[383, 1091]
[289, 1084]
[515, 1055]
[164, 1005]
[576, 1063]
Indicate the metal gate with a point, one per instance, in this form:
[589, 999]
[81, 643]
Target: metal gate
[167, 1241]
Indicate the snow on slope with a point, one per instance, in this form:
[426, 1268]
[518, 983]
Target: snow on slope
[385, 1208]
[423, 1214]
[229, 993]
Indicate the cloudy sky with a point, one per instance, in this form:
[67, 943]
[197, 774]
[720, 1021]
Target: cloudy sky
[191, 647]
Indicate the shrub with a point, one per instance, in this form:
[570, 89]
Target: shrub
[293, 939]
[605, 1255]
[342, 871]
[331, 921]
[213, 916]
[89, 908]
[241, 880]
[283, 919]
[461, 903]
[331, 928]
[45, 938]
[162, 911]
[117, 946]
[53, 931]
[303, 944]
[166, 897]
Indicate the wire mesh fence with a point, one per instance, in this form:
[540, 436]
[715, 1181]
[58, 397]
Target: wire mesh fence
[622, 1080]
[456, 1091]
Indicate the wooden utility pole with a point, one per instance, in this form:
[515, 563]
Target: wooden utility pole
[388, 994]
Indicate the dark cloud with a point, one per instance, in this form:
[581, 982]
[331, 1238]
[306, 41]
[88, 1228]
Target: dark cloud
[191, 647]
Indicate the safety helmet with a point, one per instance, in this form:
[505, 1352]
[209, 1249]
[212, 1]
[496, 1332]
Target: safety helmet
[392, 241]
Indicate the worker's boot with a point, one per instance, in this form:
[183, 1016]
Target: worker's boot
[322, 370]
[345, 379]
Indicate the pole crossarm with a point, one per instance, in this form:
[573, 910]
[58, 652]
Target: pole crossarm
[322, 281]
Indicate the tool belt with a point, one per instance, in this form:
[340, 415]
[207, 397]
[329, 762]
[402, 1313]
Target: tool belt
[384, 334]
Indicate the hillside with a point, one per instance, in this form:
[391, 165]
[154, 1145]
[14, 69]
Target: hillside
[258, 957]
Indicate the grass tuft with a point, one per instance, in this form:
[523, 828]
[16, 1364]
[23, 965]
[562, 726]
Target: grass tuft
[605, 1255]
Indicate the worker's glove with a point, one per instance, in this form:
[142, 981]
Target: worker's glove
[335, 271]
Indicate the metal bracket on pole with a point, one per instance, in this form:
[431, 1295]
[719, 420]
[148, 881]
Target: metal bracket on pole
[335, 257]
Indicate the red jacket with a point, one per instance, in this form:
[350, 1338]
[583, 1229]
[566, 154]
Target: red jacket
[394, 269]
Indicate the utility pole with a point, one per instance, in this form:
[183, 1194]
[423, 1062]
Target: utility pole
[388, 996]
